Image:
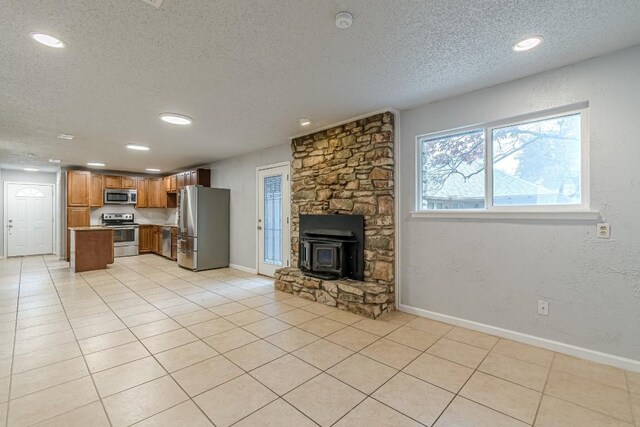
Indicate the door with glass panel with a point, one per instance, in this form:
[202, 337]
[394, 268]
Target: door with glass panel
[274, 245]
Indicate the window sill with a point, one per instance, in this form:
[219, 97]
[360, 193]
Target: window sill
[510, 215]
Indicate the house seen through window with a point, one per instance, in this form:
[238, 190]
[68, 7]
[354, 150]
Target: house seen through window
[530, 164]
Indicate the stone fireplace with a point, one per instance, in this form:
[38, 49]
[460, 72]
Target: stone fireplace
[347, 170]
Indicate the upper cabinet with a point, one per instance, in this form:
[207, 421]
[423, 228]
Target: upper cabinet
[96, 198]
[129, 182]
[86, 189]
[78, 188]
[120, 182]
[143, 193]
[192, 177]
[157, 195]
[112, 181]
[179, 181]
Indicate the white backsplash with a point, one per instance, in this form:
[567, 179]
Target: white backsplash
[142, 216]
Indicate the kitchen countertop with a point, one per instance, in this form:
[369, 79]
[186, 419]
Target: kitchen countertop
[91, 228]
[162, 225]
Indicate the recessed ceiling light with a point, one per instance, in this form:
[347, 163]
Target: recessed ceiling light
[527, 43]
[153, 170]
[137, 147]
[65, 136]
[54, 160]
[30, 169]
[96, 164]
[176, 119]
[304, 121]
[47, 40]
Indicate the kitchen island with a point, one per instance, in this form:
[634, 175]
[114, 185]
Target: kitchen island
[91, 248]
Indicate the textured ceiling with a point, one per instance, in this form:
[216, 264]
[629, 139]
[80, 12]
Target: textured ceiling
[247, 70]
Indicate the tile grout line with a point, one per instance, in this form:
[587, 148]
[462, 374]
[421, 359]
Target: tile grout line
[465, 383]
[264, 338]
[83, 357]
[219, 354]
[634, 421]
[245, 372]
[13, 350]
[168, 374]
[544, 387]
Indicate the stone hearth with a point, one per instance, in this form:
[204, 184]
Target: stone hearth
[367, 299]
[347, 169]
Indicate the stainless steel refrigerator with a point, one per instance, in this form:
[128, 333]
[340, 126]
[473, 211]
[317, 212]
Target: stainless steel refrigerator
[203, 227]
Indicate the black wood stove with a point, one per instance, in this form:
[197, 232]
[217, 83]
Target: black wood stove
[332, 246]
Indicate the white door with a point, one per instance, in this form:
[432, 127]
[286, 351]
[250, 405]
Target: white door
[274, 244]
[29, 221]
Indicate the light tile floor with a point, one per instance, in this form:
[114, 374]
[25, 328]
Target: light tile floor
[148, 343]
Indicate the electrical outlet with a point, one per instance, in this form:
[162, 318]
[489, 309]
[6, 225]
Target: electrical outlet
[604, 230]
[543, 307]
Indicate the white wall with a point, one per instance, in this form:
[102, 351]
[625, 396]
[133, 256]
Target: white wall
[494, 272]
[10, 175]
[239, 175]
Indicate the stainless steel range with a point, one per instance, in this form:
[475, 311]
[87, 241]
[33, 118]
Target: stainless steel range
[125, 233]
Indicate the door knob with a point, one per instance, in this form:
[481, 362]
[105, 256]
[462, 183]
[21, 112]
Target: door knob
[259, 228]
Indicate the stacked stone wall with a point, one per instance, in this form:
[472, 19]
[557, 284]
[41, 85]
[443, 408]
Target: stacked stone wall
[349, 169]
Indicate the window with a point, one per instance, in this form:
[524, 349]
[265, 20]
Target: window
[536, 163]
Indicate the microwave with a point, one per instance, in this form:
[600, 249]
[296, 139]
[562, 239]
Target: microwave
[120, 197]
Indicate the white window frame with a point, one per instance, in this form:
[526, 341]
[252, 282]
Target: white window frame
[576, 211]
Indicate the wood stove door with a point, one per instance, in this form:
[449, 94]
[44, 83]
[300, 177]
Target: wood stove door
[274, 245]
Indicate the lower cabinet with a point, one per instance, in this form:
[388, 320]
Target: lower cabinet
[157, 247]
[144, 242]
[150, 240]
[174, 243]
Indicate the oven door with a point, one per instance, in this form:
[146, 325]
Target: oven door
[125, 236]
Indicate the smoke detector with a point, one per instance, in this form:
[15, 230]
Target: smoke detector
[154, 3]
[344, 20]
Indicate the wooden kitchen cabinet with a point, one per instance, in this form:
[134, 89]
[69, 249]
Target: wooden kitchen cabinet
[96, 194]
[156, 239]
[111, 181]
[193, 177]
[180, 181]
[173, 183]
[174, 243]
[158, 248]
[144, 241]
[129, 182]
[157, 196]
[167, 184]
[78, 188]
[143, 193]
[76, 217]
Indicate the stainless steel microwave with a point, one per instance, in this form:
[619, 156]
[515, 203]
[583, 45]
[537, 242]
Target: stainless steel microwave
[120, 197]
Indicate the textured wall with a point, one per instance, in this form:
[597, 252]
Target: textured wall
[239, 175]
[348, 169]
[494, 272]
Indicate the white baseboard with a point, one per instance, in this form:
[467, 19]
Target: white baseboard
[572, 350]
[243, 268]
